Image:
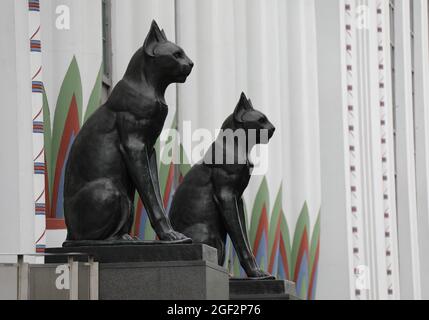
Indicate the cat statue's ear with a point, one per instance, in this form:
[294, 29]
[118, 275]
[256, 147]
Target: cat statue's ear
[154, 37]
[163, 33]
[242, 107]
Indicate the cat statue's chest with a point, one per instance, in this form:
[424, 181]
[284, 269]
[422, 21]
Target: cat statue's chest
[240, 176]
[156, 114]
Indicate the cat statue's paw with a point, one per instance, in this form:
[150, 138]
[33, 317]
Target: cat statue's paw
[174, 236]
[260, 274]
[127, 237]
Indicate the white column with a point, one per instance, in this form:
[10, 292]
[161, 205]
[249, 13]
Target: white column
[369, 137]
[409, 260]
[336, 280]
[16, 161]
[379, 239]
[384, 105]
[35, 54]
[379, 255]
[421, 116]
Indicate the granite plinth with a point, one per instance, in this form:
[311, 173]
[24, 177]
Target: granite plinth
[248, 289]
[153, 271]
[176, 280]
[138, 253]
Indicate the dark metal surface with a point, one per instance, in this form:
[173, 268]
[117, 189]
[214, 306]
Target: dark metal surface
[113, 154]
[208, 204]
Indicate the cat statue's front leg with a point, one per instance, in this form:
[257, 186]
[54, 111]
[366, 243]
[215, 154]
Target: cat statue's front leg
[138, 158]
[229, 208]
[255, 271]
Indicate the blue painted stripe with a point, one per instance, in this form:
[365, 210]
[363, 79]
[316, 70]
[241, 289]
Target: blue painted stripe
[39, 168]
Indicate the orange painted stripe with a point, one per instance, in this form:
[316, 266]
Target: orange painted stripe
[169, 185]
[283, 256]
[303, 249]
[55, 224]
[275, 245]
[313, 271]
[263, 225]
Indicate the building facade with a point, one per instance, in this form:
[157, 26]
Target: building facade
[342, 208]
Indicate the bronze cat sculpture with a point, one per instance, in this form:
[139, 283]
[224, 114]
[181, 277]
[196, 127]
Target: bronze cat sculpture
[208, 203]
[113, 155]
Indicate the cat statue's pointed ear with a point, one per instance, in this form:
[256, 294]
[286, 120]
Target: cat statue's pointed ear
[163, 33]
[154, 37]
[242, 107]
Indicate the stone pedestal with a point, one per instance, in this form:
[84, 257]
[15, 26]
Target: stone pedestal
[155, 272]
[139, 253]
[177, 280]
[247, 289]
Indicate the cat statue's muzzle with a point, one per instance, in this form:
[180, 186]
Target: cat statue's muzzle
[185, 72]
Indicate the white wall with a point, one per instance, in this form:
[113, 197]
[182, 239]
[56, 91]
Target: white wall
[409, 263]
[421, 117]
[16, 183]
[335, 279]
[71, 30]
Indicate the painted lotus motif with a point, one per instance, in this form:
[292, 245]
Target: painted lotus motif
[68, 119]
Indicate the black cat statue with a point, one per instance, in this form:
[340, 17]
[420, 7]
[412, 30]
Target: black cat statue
[208, 204]
[113, 154]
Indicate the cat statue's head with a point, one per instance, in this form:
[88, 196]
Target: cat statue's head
[159, 61]
[167, 58]
[246, 117]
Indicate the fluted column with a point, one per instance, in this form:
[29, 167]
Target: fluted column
[421, 129]
[409, 260]
[17, 226]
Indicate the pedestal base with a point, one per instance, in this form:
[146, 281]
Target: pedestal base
[154, 271]
[178, 280]
[246, 289]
